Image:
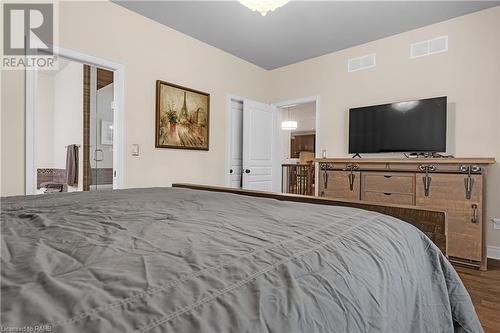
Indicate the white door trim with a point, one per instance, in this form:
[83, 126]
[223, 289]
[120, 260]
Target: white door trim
[118, 120]
[229, 119]
[278, 152]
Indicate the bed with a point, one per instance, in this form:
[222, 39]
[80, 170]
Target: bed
[205, 259]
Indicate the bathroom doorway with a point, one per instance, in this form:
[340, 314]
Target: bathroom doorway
[71, 123]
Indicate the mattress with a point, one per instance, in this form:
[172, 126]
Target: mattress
[182, 260]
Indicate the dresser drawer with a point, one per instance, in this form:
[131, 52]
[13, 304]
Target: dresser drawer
[387, 197]
[389, 182]
[336, 185]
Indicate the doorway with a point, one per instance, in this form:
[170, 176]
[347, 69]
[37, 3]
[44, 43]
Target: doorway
[98, 121]
[259, 145]
[252, 146]
[298, 142]
[74, 125]
[58, 131]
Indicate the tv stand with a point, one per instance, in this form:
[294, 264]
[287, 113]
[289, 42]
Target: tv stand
[454, 185]
[356, 155]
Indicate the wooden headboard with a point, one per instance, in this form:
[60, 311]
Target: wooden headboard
[431, 222]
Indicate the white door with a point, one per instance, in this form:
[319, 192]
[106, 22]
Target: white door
[236, 150]
[258, 143]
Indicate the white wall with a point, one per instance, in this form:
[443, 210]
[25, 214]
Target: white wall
[468, 74]
[44, 122]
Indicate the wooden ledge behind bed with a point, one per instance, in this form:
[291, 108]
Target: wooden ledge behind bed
[431, 222]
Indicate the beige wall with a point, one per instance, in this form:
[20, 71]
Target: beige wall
[12, 134]
[149, 51]
[468, 74]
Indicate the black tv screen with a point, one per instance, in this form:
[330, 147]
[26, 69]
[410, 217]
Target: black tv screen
[411, 126]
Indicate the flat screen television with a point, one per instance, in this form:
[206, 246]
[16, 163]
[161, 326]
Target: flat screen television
[411, 126]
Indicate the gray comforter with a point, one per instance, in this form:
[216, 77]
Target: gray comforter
[179, 260]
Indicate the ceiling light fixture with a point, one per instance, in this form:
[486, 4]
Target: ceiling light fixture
[263, 6]
[288, 125]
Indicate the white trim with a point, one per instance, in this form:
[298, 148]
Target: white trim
[278, 153]
[494, 252]
[118, 117]
[30, 174]
[229, 129]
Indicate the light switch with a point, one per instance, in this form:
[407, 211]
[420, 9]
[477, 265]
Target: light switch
[135, 149]
[496, 223]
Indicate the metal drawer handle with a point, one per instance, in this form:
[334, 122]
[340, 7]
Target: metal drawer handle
[469, 181]
[351, 181]
[474, 213]
[427, 179]
[387, 176]
[386, 193]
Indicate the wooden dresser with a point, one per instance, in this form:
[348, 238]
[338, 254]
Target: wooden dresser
[456, 185]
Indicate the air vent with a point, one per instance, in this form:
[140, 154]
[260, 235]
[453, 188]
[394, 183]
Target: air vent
[428, 47]
[364, 62]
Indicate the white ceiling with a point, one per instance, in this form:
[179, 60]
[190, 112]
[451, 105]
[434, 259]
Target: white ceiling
[301, 29]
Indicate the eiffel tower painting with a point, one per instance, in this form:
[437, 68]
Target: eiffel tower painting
[182, 117]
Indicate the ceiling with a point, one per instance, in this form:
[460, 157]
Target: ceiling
[299, 30]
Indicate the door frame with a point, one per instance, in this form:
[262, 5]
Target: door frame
[118, 117]
[278, 151]
[229, 129]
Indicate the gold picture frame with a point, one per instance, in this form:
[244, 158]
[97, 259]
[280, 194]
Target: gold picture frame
[182, 117]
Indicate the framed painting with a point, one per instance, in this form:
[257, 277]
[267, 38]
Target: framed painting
[182, 117]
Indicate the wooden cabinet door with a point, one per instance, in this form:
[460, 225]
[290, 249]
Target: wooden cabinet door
[308, 143]
[447, 192]
[338, 185]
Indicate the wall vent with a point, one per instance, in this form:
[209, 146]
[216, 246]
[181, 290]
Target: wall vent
[428, 47]
[364, 62]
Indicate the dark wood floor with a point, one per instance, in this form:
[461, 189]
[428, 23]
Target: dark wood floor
[484, 288]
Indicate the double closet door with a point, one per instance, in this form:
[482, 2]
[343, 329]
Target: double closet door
[252, 145]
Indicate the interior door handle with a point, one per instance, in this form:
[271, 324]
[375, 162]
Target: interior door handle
[247, 170]
[231, 170]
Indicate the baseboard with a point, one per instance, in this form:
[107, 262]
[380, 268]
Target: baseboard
[494, 252]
